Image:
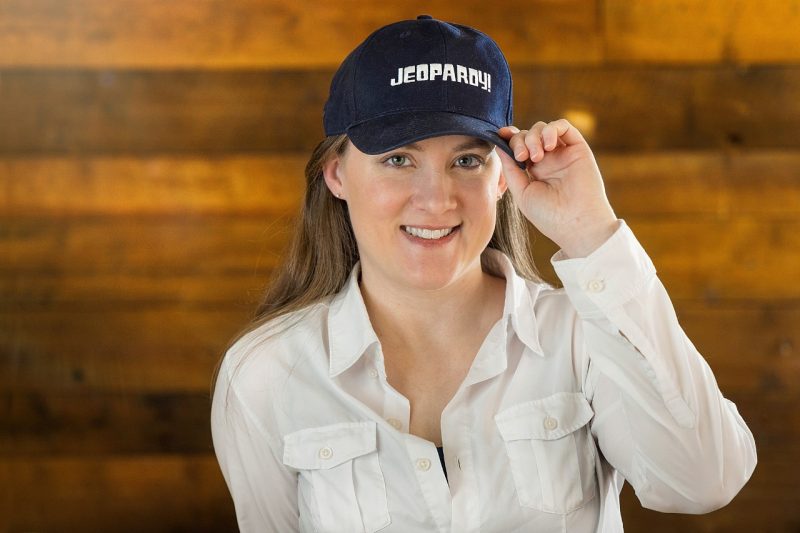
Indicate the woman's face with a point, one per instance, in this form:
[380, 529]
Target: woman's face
[423, 213]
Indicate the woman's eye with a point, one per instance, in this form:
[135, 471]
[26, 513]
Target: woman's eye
[477, 160]
[395, 160]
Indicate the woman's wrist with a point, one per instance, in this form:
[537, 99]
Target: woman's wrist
[585, 240]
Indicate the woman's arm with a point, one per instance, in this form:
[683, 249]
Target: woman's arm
[660, 418]
[264, 492]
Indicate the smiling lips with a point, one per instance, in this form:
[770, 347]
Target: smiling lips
[429, 234]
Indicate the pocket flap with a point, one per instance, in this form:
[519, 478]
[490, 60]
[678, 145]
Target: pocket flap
[328, 446]
[545, 419]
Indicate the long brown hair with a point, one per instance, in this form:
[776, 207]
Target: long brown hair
[323, 251]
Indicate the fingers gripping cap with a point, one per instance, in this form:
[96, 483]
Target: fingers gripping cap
[416, 79]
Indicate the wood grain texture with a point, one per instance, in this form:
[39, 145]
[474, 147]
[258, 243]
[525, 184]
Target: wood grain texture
[268, 186]
[271, 34]
[101, 262]
[140, 350]
[215, 112]
[95, 423]
[698, 31]
[131, 493]
[151, 166]
[146, 111]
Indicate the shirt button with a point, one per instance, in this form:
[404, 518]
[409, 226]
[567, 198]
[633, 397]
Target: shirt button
[423, 464]
[550, 423]
[325, 453]
[395, 423]
[596, 285]
[373, 372]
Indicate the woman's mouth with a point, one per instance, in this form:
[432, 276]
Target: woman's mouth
[430, 234]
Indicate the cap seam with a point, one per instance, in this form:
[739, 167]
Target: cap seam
[509, 107]
[355, 71]
[445, 90]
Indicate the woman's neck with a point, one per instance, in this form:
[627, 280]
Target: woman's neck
[417, 320]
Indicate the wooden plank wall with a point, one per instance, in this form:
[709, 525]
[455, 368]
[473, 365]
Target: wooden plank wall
[151, 158]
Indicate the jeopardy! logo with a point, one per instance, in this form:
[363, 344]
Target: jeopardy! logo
[445, 72]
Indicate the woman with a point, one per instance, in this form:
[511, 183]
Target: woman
[409, 372]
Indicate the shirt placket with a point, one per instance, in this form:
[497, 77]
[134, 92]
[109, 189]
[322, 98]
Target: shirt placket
[464, 505]
[421, 453]
[458, 425]
[425, 461]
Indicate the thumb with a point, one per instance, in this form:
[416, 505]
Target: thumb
[517, 179]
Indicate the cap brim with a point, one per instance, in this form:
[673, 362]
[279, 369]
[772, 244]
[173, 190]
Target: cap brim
[388, 132]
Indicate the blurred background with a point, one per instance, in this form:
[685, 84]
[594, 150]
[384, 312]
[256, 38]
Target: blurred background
[151, 164]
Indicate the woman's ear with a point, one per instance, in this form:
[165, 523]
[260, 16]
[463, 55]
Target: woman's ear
[502, 186]
[332, 171]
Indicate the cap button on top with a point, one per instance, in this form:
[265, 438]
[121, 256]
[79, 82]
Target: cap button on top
[422, 17]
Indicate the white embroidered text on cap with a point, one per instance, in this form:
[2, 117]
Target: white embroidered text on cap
[447, 72]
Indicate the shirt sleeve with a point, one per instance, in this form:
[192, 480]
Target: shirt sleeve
[660, 418]
[264, 492]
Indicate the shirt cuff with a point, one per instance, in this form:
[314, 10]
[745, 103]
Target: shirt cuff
[608, 277]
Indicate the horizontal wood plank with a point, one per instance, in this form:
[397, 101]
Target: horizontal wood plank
[701, 31]
[739, 258]
[152, 350]
[223, 34]
[96, 423]
[752, 347]
[175, 111]
[158, 493]
[706, 184]
[271, 34]
[214, 112]
[713, 184]
[104, 259]
[269, 185]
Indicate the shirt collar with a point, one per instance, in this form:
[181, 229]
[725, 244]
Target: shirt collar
[350, 332]
[520, 296]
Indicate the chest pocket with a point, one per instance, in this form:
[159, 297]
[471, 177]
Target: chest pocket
[551, 451]
[339, 469]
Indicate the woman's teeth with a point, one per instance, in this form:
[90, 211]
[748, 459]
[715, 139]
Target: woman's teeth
[428, 233]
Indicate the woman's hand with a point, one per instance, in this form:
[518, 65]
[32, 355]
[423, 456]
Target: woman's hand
[561, 192]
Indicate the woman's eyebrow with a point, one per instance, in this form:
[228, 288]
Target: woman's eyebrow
[472, 143]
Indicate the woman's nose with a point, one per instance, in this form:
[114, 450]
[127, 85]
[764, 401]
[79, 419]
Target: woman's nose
[436, 192]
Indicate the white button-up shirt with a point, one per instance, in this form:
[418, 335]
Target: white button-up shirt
[572, 392]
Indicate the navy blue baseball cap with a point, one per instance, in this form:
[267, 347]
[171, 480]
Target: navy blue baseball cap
[415, 79]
